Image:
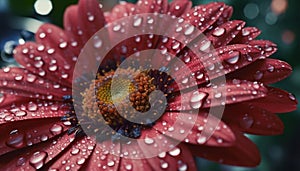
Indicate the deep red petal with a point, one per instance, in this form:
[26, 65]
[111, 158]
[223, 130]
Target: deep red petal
[76, 156]
[123, 9]
[21, 82]
[152, 6]
[179, 7]
[31, 110]
[179, 158]
[276, 101]
[235, 91]
[224, 33]
[246, 35]
[90, 18]
[43, 62]
[177, 126]
[244, 153]
[102, 158]
[36, 156]
[7, 100]
[251, 119]
[21, 134]
[267, 71]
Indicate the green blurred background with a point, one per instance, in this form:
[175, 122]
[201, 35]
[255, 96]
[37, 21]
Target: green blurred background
[279, 21]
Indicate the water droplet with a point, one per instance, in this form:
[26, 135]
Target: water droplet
[2, 98]
[110, 163]
[37, 159]
[128, 167]
[162, 155]
[42, 35]
[164, 165]
[18, 77]
[97, 42]
[31, 78]
[219, 32]
[137, 22]
[177, 7]
[271, 68]
[292, 97]
[218, 95]
[75, 151]
[32, 107]
[52, 68]
[15, 139]
[44, 138]
[41, 48]
[42, 73]
[63, 45]
[150, 21]
[234, 57]
[81, 161]
[21, 161]
[176, 45]
[50, 51]
[148, 140]
[117, 27]
[182, 167]
[20, 113]
[175, 152]
[91, 18]
[197, 99]
[56, 129]
[258, 75]
[247, 122]
[245, 32]
[205, 45]
[38, 64]
[201, 140]
[199, 75]
[189, 30]
[6, 69]
[138, 39]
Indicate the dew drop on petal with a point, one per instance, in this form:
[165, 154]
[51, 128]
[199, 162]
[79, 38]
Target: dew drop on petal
[20, 113]
[234, 57]
[271, 68]
[218, 32]
[37, 159]
[6, 69]
[56, 129]
[80, 161]
[201, 140]
[21, 161]
[30, 78]
[63, 45]
[15, 139]
[42, 35]
[97, 42]
[75, 151]
[128, 167]
[164, 165]
[117, 27]
[176, 45]
[18, 77]
[148, 140]
[52, 68]
[292, 97]
[245, 32]
[247, 122]
[32, 107]
[175, 152]
[110, 163]
[258, 75]
[205, 45]
[182, 166]
[2, 98]
[196, 100]
[189, 30]
[137, 22]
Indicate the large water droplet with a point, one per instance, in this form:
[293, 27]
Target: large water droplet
[37, 159]
[117, 27]
[110, 163]
[137, 22]
[20, 113]
[52, 68]
[63, 45]
[31, 78]
[201, 140]
[80, 161]
[75, 151]
[148, 140]
[97, 42]
[175, 152]
[15, 139]
[219, 32]
[197, 99]
[182, 166]
[247, 122]
[205, 45]
[189, 30]
[234, 57]
[56, 129]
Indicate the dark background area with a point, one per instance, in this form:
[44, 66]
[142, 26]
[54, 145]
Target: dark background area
[279, 21]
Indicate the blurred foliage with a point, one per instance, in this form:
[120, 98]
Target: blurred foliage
[278, 152]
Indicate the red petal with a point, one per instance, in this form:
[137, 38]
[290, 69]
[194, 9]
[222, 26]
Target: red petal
[122, 10]
[188, 128]
[103, 159]
[152, 6]
[244, 153]
[72, 28]
[90, 18]
[39, 60]
[235, 91]
[223, 61]
[224, 33]
[52, 37]
[246, 35]
[179, 158]
[16, 135]
[7, 100]
[267, 71]
[276, 101]
[20, 82]
[224, 17]
[179, 7]
[36, 156]
[134, 164]
[251, 119]
[31, 110]
[76, 156]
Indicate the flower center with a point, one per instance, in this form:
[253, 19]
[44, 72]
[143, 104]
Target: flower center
[122, 91]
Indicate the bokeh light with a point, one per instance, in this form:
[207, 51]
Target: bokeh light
[43, 7]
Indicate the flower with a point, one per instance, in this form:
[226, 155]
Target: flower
[40, 127]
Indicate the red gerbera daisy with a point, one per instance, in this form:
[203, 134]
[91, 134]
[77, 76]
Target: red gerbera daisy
[50, 119]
